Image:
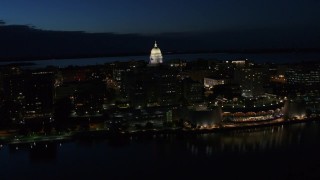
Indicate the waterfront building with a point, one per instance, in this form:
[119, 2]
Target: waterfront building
[295, 109]
[205, 118]
[251, 80]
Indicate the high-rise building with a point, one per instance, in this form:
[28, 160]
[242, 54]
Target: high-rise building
[303, 77]
[31, 95]
[251, 80]
[303, 80]
[193, 91]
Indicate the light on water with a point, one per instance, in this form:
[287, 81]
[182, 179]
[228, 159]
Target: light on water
[268, 148]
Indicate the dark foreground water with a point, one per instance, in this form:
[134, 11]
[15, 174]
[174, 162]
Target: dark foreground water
[291, 152]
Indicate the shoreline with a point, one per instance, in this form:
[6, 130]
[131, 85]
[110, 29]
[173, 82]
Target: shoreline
[104, 134]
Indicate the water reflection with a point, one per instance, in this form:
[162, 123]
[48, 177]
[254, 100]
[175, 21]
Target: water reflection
[253, 140]
[37, 152]
[277, 138]
[284, 151]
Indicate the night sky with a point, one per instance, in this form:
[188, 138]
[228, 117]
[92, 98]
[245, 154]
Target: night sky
[150, 16]
[125, 26]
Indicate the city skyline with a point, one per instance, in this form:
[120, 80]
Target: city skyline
[23, 42]
[144, 89]
[58, 29]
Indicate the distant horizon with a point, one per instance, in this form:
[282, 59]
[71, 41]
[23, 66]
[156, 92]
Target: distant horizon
[29, 43]
[124, 54]
[93, 28]
[259, 58]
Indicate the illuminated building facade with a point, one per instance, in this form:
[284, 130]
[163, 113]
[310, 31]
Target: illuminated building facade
[210, 82]
[240, 62]
[305, 77]
[156, 55]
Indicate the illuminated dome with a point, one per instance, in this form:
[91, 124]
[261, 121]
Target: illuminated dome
[156, 55]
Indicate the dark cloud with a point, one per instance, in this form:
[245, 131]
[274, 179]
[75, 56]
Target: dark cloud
[2, 22]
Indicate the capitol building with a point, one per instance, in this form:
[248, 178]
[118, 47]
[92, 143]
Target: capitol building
[156, 55]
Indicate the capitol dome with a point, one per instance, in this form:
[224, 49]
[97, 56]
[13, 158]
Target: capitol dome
[156, 55]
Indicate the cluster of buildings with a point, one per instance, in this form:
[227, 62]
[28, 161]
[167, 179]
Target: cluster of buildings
[155, 94]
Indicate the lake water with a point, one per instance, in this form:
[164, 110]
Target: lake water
[259, 58]
[289, 152]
